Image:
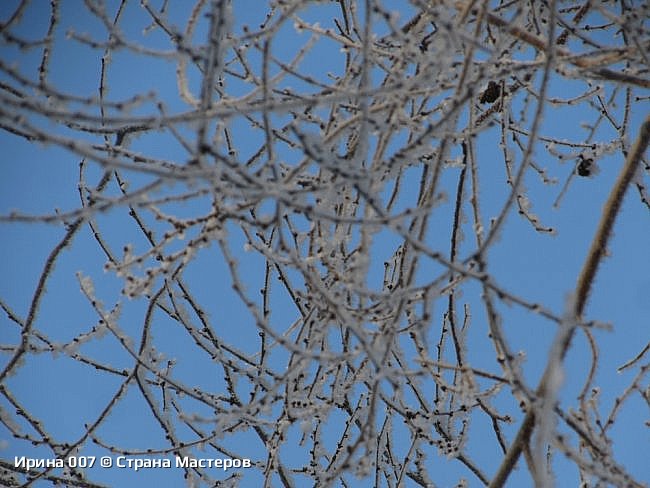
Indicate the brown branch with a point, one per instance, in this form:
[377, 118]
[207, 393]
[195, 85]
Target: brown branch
[590, 63]
[583, 288]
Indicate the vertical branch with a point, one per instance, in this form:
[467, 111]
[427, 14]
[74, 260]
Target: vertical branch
[583, 288]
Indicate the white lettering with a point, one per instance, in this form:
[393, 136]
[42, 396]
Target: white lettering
[161, 463]
[31, 463]
[225, 464]
[54, 463]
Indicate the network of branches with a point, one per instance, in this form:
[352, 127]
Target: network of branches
[329, 169]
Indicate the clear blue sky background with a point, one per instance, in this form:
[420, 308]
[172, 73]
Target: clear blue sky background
[64, 394]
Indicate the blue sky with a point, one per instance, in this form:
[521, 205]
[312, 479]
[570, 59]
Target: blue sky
[65, 394]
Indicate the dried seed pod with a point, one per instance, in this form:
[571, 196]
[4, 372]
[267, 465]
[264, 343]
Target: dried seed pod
[491, 93]
[585, 167]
